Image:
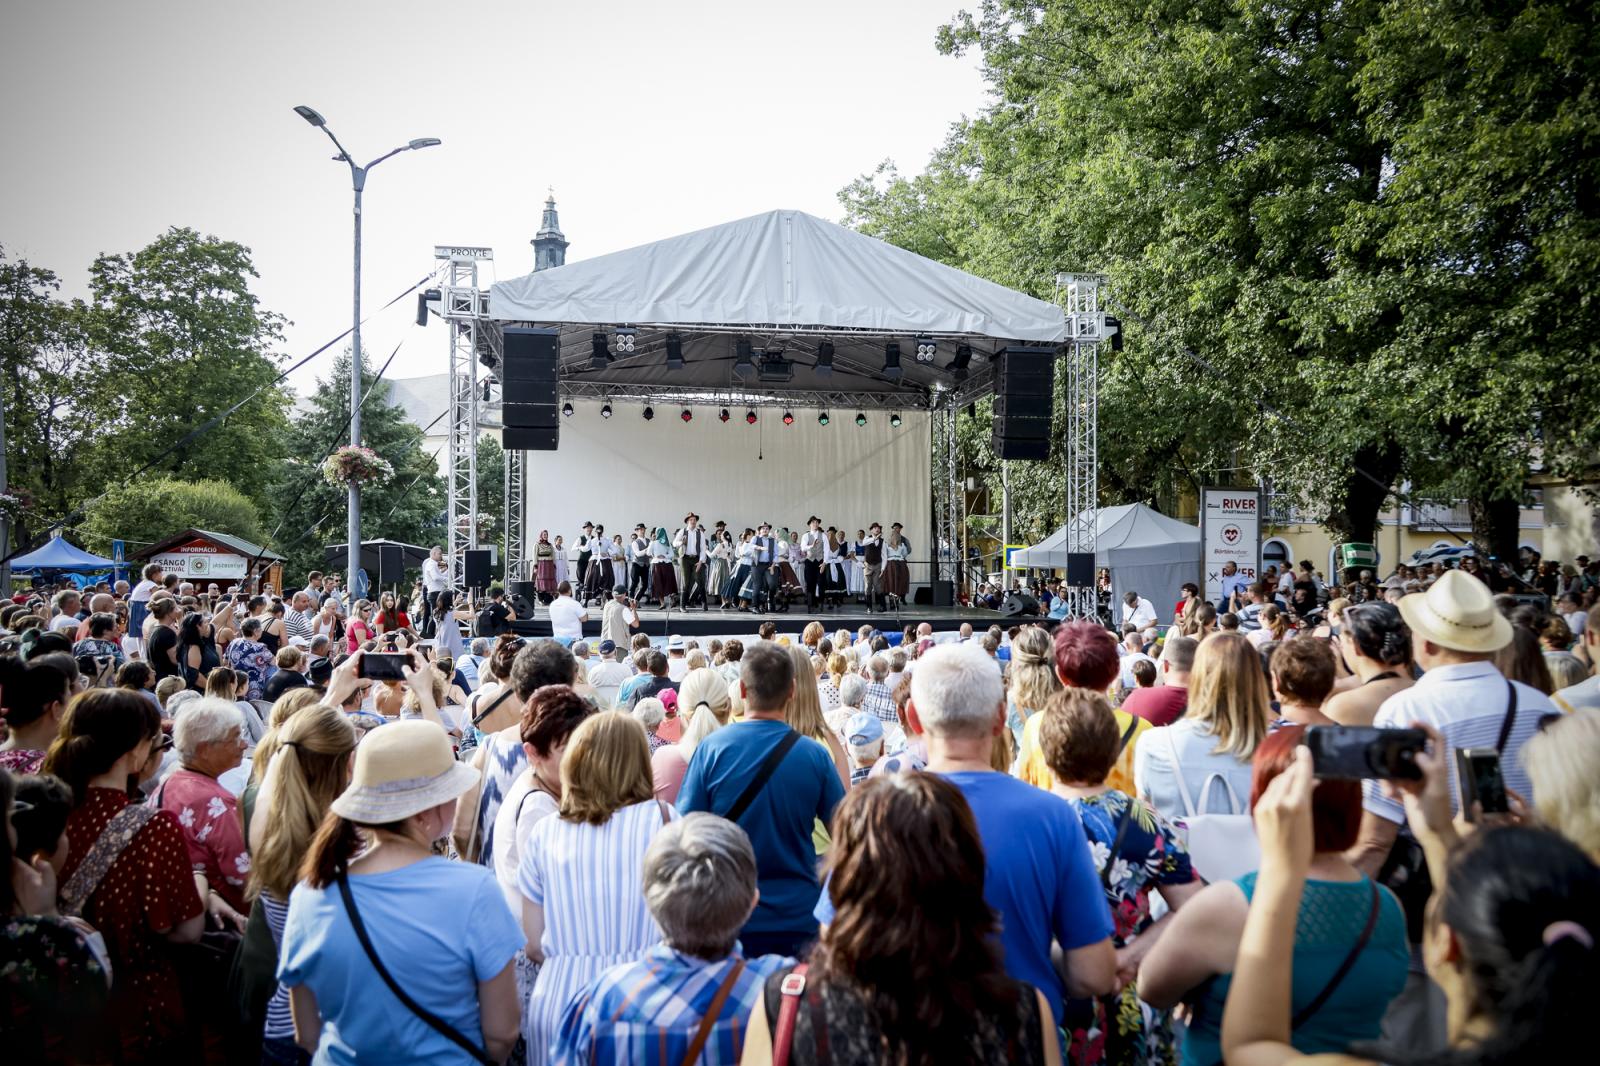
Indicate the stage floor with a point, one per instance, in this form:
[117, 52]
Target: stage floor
[721, 623]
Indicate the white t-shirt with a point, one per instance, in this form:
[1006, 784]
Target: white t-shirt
[566, 617]
[513, 825]
[606, 677]
[142, 591]
[64, 623]
[677, 669]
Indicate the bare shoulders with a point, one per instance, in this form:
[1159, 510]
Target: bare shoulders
[1359, 706]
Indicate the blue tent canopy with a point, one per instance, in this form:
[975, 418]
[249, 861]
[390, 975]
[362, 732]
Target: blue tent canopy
[60, 555]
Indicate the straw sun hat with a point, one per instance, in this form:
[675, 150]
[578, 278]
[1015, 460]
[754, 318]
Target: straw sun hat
[1457, 612]
[402, 769]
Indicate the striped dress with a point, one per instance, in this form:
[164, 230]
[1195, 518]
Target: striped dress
[503, 762]
[587, 879]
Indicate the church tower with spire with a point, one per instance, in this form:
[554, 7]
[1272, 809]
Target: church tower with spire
[550, 245]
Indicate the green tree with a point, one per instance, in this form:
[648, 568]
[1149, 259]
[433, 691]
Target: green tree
[186, 340]
[311, 513]
[152, 509]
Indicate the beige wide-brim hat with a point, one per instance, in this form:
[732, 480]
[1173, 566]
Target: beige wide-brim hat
[1457, 612]
[402, 769]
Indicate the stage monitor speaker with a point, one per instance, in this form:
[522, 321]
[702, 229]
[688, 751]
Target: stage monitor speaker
[479, 563]
[523, 595]
[944, 594]
[1080, 570]
[526, 439]
[922, 596]
[1024, 383]
[1019, 605]
[391, 564]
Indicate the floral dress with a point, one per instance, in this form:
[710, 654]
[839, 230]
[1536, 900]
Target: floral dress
[54, 991]
[1119, 1029]
[212, 830]
[252, 659]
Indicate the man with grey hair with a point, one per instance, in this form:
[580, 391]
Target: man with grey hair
[878, 698]
[775, 784]
[296, 623]
[468, 664]
[1043, 883]
[689, 998]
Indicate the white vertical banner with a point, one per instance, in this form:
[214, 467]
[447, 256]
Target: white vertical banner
[1230, 532]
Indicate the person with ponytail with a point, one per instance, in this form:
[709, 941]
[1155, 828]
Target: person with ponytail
[390, 952]
[33, 697]
[1375, 643]
[137, 888]
[310, 768]
[1509, 935]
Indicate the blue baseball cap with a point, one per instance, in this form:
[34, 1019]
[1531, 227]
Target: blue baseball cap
[863, 728]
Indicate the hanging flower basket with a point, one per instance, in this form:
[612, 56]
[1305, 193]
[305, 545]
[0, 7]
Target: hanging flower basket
[356, 466]
[14, 504]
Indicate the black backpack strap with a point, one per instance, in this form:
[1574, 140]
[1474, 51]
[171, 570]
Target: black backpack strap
[1509, 720]
[436, 1023]
[1127, 734]
[1343, 971]
[1122, 832]
[764, 773]
[500, 697]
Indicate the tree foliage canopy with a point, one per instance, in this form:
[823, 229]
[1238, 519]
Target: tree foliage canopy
[152, 509]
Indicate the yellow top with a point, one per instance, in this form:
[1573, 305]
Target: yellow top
[1032, 768]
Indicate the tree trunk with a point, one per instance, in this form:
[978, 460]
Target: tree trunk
[1496, 522]
[1356, 516]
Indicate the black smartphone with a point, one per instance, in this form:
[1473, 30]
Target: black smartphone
[1479, 781]
[1359, 752]
[382, 666]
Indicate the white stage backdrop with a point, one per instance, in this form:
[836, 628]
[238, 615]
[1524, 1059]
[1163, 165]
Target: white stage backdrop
[623, 470]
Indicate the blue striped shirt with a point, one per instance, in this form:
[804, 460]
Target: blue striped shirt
[647, 1012]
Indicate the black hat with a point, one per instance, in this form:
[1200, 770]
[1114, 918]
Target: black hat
[588, 525]
[812, 519]
[692, 515]
[897, 525]
[639, 526]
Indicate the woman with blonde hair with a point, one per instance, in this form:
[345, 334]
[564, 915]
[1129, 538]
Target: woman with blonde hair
[577, 921]
[1176, 768]
[703, 701]
[1033, 679]
[1274, 626]
[827, 687]
[1560, 760]
[811, 634]
[310, 767]
[286, 707]
[804, 715]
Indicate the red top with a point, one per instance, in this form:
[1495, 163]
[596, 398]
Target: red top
[209, 817]
[1159, 704]
[387, 624]
[357, 633]
[148, 890]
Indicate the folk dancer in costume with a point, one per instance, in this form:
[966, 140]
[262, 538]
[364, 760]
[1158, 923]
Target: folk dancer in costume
[871, 556]
[833, 569]
[663, 581]
[639, 563]
[788, 568]
[764, 553]
[721, 564]
[812, 545]
[544, 565]
[597, 576]
[896, 574]
[618, 554]
[690, 542]
[561, 561]
[744, 565]
[585, 547]
[852, 569]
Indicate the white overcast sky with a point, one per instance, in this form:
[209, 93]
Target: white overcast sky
[647, 118]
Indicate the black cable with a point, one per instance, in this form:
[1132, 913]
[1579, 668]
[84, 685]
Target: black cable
[420, 476]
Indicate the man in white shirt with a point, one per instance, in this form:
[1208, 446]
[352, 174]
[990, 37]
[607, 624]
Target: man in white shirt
[1132, 652]
[67, 603]
[618, 617]
[1286, 582]
[607, 675]
[435, 579]
[690, 541]
[763, 555]
[1233, 583]
[638, 563]
[313, 587]
[1585, 695]
[812, 544]
[677, 664]
[567, 615]
[1138, 611]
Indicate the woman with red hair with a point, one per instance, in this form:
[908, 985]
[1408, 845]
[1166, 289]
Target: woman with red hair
[1350, 953]
[1086, 657]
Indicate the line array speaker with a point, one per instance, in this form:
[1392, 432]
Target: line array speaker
[530, 374]
[1024, 393]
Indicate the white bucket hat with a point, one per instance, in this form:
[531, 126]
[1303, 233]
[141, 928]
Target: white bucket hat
[402, 769]
[1457, 612]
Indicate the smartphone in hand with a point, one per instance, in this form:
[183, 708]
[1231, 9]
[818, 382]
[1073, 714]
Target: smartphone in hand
[1480, 786]
[383, 666]
[1361, 752]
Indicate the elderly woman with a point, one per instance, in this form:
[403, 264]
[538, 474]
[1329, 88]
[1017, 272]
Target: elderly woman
[577, 924]
[146, 895]
[700, 885]
[852, 692]
[250, 657]
[291, 663]
[650, 712]
[207, 737]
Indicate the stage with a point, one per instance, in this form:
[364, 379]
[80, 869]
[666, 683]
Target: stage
[726, 623]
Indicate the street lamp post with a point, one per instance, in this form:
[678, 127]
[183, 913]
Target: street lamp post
[358, 182]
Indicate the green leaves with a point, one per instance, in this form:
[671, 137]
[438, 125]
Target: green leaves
[152, 509]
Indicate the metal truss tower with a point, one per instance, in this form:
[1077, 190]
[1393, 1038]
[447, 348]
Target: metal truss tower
[518, 566]
[465, 312]
[1086, 329]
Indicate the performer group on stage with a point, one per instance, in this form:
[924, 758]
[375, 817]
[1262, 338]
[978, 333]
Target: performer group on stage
[754, 570]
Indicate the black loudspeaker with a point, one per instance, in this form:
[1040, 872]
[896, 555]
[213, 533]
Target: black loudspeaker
[391, 564]
[1018, 605]
[523, 595]
[1024, 393]
[1080, 570]
[944, 594]
[479, 562]
[530, 379]
[922, 596]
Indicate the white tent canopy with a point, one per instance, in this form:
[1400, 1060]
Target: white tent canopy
[1146, 552]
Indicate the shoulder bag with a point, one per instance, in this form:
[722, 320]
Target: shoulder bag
[1221, 846]
[108, 847]
[764, 773]
[436, 1023]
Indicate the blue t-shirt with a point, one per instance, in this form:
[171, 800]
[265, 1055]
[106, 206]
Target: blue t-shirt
[1039, 876]
[438, 953]
[803, 788]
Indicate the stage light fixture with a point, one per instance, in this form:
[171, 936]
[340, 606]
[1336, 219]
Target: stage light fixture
[674, 352]
[961, 362]
[822, 419]
[824, 365]
[605, 411]
[599, 354]
[566, 409]
[723, 414]
[743, 360]
[861, 418]
[625, 340]
[1114, 331]
[788, 418]
[686, 414]
[649, 413]
[927, 347]
[891, 361]
[894, 420]
[750, 417]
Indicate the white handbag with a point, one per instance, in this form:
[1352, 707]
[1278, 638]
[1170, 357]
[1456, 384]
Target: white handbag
[1221, 846]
